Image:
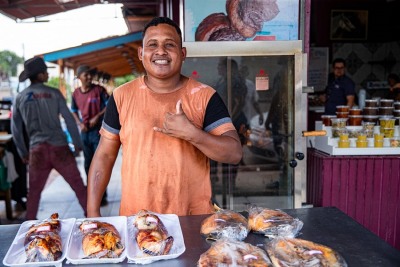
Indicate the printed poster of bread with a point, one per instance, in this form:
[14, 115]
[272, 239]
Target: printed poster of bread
[299, 252]
[241, 20]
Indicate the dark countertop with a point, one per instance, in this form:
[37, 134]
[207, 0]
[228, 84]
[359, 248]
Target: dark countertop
[328, 226]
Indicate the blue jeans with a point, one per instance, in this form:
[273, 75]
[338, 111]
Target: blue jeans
[90, 140]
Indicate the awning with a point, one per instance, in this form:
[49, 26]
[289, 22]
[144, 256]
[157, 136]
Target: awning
[116, 56]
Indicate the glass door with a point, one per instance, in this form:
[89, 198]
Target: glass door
[259, 91]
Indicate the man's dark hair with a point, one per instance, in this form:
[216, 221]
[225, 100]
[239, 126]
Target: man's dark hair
[339, 60]
[162, 20]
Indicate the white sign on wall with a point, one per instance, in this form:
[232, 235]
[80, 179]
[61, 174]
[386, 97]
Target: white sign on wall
[318, 68]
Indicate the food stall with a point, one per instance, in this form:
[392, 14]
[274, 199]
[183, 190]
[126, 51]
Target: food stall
[328, 226]
[356, 168]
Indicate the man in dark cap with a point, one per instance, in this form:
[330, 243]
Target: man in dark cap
[88, 106]
[37, 108]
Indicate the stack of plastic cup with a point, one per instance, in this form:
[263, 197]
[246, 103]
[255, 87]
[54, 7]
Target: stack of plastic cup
[387, 126]
[362, 140]
[344, 141]
[378, 140]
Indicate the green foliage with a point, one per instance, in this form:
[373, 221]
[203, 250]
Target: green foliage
[124, 79]
[9, 62]
[55, 82]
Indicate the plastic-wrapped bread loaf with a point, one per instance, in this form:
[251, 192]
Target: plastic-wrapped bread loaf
[227, 252]
[273, 223]
[225, 223]
[299, 252]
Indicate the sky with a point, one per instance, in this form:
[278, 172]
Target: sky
[67, 29]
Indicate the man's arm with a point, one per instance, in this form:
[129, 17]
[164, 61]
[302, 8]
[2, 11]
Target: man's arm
[350, 100]
[70, 123]
[93, 121]
[224, 148]
[17, 130]
[104, 99]
[100, 173]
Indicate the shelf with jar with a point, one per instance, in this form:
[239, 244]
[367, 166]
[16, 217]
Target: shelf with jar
[367, 139]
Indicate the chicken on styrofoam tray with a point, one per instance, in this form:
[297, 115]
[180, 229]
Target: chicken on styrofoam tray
[40, 243]
[100, 240]
[153, 237]
[43, 242]
[229, 252]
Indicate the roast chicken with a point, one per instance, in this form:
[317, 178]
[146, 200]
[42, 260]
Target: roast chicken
[100, 240]
[152, 236]
[43, 241]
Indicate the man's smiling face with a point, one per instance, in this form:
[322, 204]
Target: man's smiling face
[162, 53]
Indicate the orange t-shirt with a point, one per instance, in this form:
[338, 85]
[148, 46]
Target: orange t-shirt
[162, 173]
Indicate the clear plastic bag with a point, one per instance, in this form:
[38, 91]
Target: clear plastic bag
[273, 223]
[225, 224]
[40, 243]
[228, 252]
[171, 224]
[98, 240]
[300, 252]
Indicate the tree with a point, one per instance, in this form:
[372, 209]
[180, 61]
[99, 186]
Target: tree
[55, 82]
[124, 79]
[9, 62]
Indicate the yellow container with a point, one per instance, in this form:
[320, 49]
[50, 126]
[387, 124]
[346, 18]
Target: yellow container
[344, 137]
[386, 122]
[387, 132]
[378, 137]
[344, 144]
[378, 143]
[361, 143]
[362, 137]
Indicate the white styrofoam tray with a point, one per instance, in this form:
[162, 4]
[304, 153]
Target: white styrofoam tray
[75, 253]
[172, 224]
[16, 253]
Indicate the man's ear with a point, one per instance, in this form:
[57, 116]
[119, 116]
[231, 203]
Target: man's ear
[183, 53]
[140, 53]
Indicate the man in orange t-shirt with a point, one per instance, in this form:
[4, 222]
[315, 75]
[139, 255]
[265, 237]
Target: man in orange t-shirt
[169, 127]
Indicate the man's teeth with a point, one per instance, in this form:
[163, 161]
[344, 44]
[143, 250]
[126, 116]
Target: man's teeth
[161, 61]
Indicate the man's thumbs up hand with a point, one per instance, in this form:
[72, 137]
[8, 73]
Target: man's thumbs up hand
[176, 124]
[179, 109]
